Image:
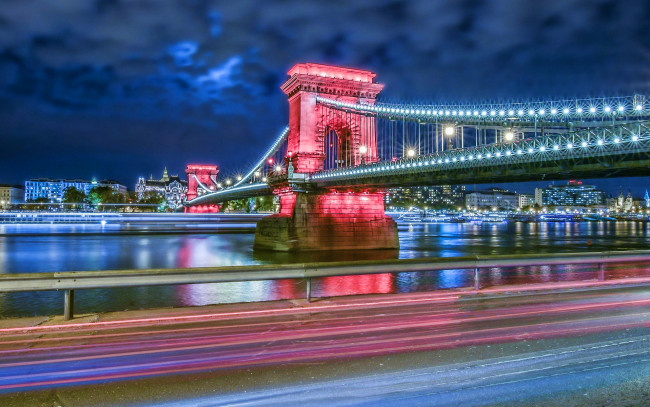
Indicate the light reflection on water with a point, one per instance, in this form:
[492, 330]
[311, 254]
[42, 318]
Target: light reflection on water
[82, 247]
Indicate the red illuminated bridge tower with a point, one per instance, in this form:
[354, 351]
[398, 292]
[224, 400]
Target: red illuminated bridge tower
[336, 218]
[201, 179]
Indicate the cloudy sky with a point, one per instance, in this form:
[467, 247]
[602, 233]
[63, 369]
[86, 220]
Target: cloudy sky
[120, 88]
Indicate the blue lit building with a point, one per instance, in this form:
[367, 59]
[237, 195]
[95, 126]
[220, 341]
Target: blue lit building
[572, 194]
[53, 189]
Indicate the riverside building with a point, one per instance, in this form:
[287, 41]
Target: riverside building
[172, 187]
[53, 189]
[493, 198]
[426, 196]
[572, 194]
[11, 195]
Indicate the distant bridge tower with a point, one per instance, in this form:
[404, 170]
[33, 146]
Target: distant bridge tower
[201, 179]
[336, 218]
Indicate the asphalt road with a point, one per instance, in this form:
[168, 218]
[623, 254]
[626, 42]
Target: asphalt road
[442, 348]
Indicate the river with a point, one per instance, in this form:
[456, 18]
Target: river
[46, 248]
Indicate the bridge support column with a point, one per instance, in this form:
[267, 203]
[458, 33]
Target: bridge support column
[335, 220]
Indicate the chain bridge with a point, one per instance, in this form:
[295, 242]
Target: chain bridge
[343, 148]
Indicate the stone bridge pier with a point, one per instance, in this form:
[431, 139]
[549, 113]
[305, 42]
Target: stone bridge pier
[332, 219]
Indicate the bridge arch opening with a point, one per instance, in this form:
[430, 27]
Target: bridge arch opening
[340, 146]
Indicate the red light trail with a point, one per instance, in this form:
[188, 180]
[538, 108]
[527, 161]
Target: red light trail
[350, 328]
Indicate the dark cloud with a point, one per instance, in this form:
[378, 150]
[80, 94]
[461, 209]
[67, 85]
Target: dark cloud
[199, 80]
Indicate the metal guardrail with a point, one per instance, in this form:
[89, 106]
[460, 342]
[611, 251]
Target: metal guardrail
[74, 280]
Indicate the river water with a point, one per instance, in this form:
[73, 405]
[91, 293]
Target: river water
[46, 248]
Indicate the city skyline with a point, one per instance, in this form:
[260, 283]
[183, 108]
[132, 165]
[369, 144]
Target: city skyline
[638, 189]
[78, 100]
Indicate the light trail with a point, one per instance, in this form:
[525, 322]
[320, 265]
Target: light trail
[224, 315]
[354, 328]
[402, 323]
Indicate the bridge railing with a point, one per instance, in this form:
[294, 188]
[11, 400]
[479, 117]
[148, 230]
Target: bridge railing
[75, 280]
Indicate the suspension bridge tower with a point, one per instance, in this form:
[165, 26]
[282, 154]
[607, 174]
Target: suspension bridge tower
[338, 218]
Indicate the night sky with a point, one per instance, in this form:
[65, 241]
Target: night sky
[119, 89]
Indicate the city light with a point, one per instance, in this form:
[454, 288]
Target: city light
[509, 136]
[450, 130]
[238, 177]
[228, 182]
[278, 168]
[363, 149]
[410, 152]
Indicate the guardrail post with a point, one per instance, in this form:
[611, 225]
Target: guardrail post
[68, 305]
[308, 289]
[477, 281]
[601, 271]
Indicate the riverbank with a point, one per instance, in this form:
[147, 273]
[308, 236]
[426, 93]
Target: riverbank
[470, 333]
[115, 218]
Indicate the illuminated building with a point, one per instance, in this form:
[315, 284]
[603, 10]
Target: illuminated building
[572, 194]
[492, 198]
[627, 203]
[426, 196]
[525, 200]
[172, 187]
[53, 189]
[10, 195]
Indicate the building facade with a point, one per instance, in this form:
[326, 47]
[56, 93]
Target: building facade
[572, 194]
[53, 189]
[172, 187]
[11, 195]
[492, 198]
[426, 196]
[525, 200]
[627, 203]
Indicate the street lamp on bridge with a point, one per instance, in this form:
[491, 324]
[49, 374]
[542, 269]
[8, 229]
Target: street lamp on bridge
[450, 131]
[363, 150]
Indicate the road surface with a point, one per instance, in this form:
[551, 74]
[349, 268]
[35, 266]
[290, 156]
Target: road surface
[440, 348]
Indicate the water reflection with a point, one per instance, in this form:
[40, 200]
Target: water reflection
[348, 285]
[265, 256]
[34, 248]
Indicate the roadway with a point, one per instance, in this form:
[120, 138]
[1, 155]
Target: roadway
[443, 348]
